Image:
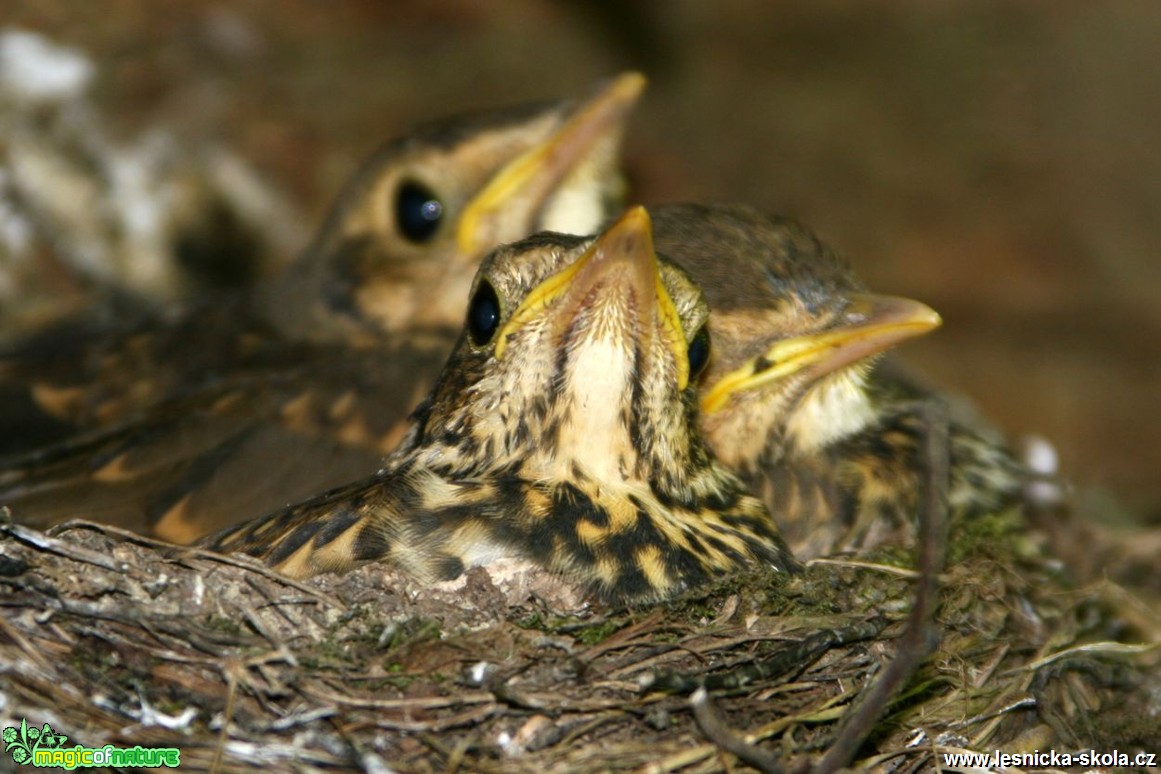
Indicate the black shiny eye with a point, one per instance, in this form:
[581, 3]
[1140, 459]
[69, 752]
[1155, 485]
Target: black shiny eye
[699, 351]
[483, 314]
[417, 212]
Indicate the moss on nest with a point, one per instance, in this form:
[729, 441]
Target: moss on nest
[345, 670]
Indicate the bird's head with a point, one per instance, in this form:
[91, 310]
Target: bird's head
[580, 354]
[795, 334]
[404, 239]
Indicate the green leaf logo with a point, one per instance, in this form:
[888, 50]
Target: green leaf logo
[21, 743]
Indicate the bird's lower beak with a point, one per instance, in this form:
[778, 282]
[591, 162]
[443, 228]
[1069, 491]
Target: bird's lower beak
[620, 261]
[870, 325]
[521, 188]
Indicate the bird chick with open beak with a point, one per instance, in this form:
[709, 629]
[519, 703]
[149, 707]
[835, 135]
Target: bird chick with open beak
[562, 431]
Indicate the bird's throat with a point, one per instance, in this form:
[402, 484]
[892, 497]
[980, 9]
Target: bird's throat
[597, 393]
[836, 408]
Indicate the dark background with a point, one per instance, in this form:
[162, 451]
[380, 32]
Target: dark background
[999, 160]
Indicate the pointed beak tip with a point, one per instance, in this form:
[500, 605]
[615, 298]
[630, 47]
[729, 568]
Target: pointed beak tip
[632, 235]
[637, 218]
[536, 173]
[894, 312]
[926, 318]
[628, 86]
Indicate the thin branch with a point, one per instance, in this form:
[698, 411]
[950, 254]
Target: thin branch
[38, 539]
[172, 551]
[920, 637]
[724, 737]
[794, 658]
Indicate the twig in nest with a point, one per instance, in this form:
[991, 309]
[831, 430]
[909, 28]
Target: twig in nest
[243, 562]
[22, 642]
[1098, 648]
[40, 540]
[624, 637]
[723, 736]
[920, 636]
[791, 659]
[227, 716]
[415, 703]
[902, 572]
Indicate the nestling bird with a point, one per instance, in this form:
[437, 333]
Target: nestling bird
[793, 399]
[562, 430]
[239, 407]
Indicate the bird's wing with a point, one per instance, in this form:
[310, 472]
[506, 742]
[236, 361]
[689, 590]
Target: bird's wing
[238, 447]
[81, 376]
[414, 520]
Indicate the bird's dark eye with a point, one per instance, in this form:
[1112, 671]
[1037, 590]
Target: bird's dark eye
[418, 212]
[699, 351]
[483, 314]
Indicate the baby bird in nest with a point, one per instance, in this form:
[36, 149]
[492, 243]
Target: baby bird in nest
[236, 408]
[794, 400]
[562, 431]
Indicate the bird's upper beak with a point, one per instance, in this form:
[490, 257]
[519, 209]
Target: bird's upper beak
[621, 260]
[870, 325]
[526, 183]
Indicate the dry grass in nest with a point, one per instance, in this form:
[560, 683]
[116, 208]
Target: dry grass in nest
[112, 638]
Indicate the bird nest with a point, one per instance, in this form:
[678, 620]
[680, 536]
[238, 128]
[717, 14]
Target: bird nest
[111, 638]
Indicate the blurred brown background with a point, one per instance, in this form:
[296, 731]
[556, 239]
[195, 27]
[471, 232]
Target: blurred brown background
[1000, 160]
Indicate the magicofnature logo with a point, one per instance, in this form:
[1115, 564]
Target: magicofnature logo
[44, 747]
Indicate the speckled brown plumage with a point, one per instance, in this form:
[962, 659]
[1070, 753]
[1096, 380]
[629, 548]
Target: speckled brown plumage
[564, 433]
[831, 441]
[242, 405]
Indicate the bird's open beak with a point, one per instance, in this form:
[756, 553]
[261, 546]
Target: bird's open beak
[870, 325]
[528, 181]
[621, 258]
